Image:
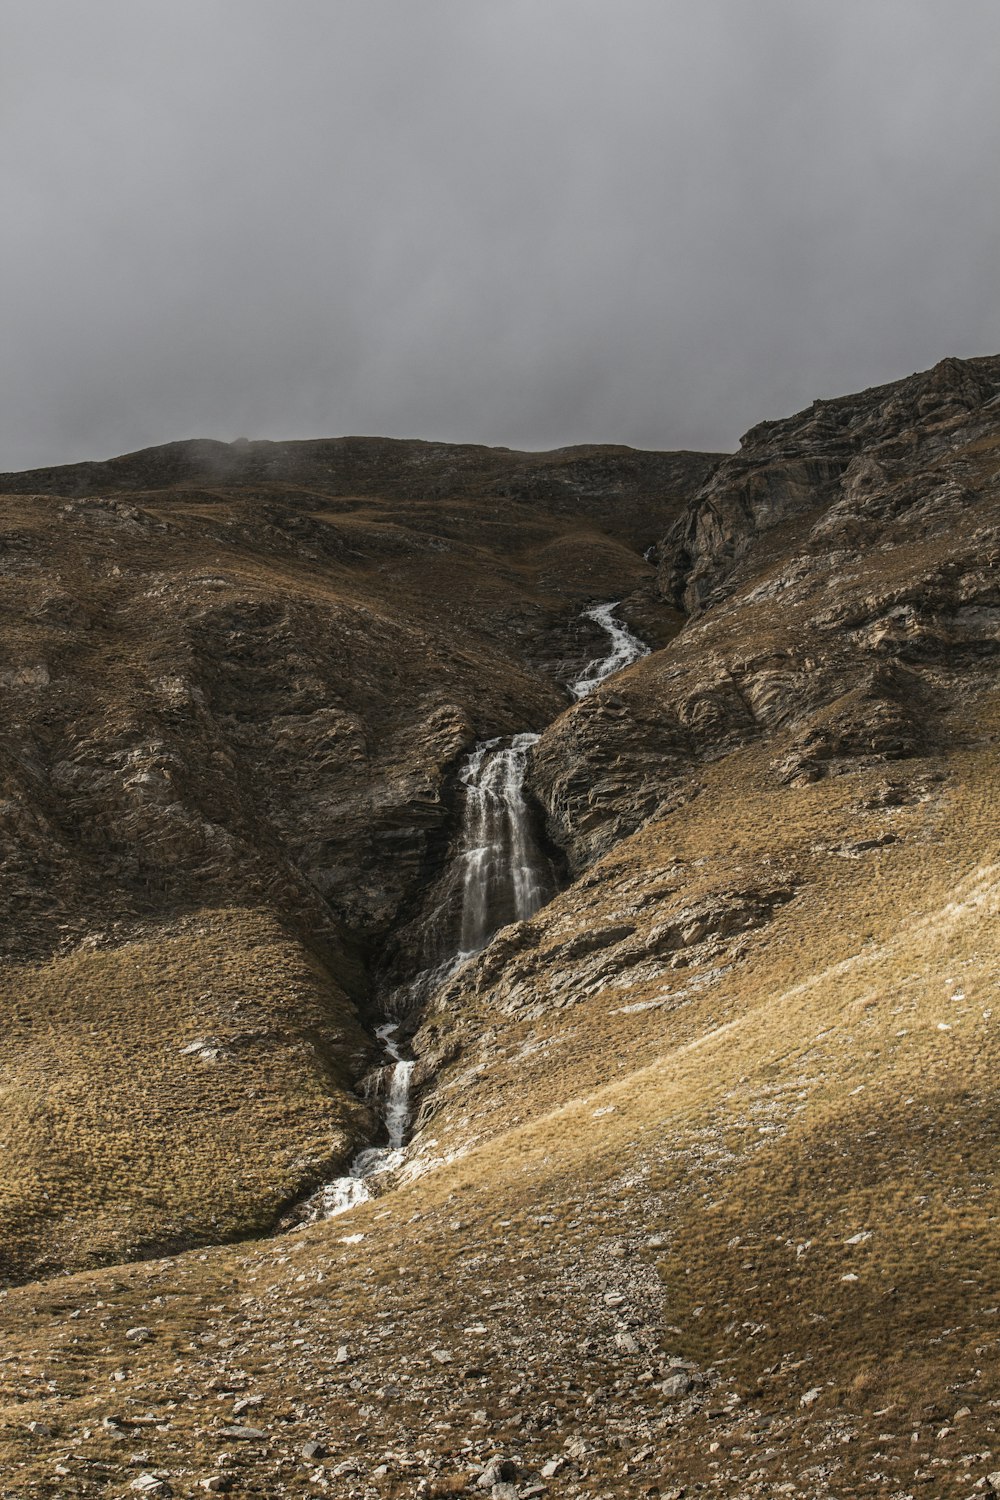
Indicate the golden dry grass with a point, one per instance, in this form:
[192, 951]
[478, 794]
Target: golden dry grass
[816, 1098]
[117, 1141]
[793, 1130]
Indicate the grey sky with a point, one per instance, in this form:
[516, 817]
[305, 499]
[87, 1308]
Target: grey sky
[526, 222]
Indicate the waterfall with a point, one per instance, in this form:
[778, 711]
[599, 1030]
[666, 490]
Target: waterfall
[625, 649]
[503, 876]
[397, 1109]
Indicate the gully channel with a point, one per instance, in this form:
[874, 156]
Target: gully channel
[504, 876]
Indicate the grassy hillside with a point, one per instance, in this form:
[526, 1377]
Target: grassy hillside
[701, 1196]
[759, 1263]
[176, 1088]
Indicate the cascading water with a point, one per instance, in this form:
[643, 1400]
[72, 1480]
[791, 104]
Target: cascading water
[504, 876]
[346, 1192]
[625, 649]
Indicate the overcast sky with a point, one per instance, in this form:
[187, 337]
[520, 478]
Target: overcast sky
[522, 222]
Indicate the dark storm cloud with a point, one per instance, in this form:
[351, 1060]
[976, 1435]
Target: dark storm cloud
[528, 222]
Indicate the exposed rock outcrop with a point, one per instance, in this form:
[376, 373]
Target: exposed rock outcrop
[842, 574]
[847, 458]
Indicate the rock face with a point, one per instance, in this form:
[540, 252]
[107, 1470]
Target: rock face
[847, 460]
[223, 674]
[841, 573]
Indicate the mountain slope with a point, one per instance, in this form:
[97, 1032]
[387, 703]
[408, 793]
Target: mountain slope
[236, 704]
[701, 1195]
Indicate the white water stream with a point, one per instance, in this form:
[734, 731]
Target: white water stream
[505, 877]
[625, 649]
[346, 1192]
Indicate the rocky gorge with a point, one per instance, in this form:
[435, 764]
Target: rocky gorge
[697, 1191]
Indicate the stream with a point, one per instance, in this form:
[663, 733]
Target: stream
[505, 877]
[625, 649]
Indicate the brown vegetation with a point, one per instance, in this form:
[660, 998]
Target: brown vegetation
[702, 1196]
